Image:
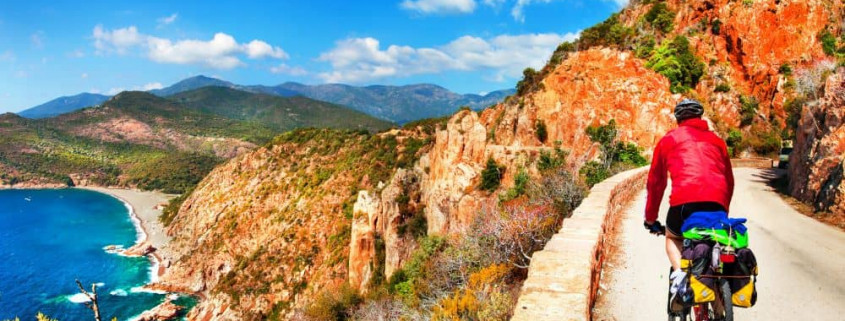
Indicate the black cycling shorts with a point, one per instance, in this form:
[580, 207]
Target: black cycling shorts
[679, 213]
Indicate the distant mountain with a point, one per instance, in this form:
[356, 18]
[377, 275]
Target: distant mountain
[191, 84]
[282, 113]
[399, 104]
[63, 105]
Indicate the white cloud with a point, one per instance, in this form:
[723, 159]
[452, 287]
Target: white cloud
[288, 70]
[221, 52]
[116, 90]
[163, 21]
[94, 91]
[152, 85]
[260, 49]
[83, 75]
[37, 39]
[362, 59]
[439, 6]
[519, 15]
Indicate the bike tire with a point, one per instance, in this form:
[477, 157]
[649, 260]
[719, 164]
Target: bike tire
[725, 289]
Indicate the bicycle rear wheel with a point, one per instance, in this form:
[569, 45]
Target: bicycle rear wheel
[725, 289]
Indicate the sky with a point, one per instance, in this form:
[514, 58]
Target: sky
[50, 49]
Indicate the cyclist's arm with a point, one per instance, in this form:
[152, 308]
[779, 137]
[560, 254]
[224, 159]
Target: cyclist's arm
[729, 175]
[656, 184]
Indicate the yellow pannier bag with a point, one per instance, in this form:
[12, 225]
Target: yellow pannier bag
[702, 293]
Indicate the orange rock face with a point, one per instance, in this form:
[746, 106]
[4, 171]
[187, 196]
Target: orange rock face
[816, 163]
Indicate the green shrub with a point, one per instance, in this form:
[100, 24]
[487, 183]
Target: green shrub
[629, 153]
[561, 53]
[547, 161]
[764, 141]
[520, 182]
[645, 47]
[660, 17]
[491, 176]
[594, 172]
[676, 61]
[748, 109]
[416, 226]
[722, 88]
[334, 304]
[785, 69]
[530, 77]
[540, 131]
[609, 33]
[716, 26]
[734, 141]
[793, 109]
[828, 42]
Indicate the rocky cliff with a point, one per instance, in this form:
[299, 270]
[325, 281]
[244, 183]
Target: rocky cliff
[816, 163]
[267, 231]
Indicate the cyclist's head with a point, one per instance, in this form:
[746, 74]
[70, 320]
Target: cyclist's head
[688, 108]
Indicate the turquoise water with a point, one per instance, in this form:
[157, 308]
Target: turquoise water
[50, 238]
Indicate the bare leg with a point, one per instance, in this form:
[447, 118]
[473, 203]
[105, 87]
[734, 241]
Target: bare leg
[673, 250]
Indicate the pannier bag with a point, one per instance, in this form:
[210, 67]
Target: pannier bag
[695, 261]
[744, 289]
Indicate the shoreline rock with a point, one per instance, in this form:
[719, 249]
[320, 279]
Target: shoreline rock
[164, 311]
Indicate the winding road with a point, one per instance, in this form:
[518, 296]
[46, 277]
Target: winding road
[801, 261]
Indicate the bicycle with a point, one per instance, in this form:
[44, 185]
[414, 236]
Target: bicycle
[722, 307]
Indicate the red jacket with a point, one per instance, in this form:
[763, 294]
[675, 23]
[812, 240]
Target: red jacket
[698, 162]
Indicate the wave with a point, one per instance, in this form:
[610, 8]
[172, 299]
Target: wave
[119, 292]
[78, 298]
[141, 289]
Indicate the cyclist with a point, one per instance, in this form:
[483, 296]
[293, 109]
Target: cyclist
[702, 179]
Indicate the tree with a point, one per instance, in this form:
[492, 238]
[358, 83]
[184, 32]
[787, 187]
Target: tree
[93, 305]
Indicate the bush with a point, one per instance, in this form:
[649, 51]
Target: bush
[764, 141]
[594, 172]
[334, 304]
[561, 53]
[629, 154]
[722, 88]
[716, 26]
[734, 141]
[491, 176]
[660, 17]
[645, 47]
[519, 185]
[676, 61]
[540, 131]
[610, 33]
[548, 161]
[530, 77]
[785, 69]
[748, 109]
[793, 109]
[828, 42]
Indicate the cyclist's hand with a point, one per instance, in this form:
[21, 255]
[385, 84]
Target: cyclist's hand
[655, 228]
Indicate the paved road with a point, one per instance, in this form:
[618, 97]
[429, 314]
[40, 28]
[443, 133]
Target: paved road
[802, 261]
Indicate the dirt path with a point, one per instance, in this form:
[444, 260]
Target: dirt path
[802, 261]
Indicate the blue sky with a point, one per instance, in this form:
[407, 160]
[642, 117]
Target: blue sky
[56, 48]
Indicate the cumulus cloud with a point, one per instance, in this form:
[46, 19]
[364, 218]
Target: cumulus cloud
[440, 6]
[363, 59]
[221, 52]
[164, 21]
[288, 70]
[116, 90]
[83, 75]
[76, 54]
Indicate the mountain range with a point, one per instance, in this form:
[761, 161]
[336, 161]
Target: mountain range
[398, 104]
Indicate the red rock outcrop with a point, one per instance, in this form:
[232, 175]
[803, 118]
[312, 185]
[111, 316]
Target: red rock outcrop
[163, 312]
[816, 163]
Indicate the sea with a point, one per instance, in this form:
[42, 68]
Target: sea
[49, 238]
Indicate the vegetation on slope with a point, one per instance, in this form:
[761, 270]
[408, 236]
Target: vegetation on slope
[280, 113]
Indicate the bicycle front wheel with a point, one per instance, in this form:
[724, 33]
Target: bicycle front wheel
[725, 288]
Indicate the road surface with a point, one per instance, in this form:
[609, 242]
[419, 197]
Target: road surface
[801, 261]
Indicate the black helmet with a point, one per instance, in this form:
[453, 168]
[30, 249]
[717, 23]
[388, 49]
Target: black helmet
[688, 108]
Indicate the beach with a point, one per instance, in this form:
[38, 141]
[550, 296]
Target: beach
[145, 210]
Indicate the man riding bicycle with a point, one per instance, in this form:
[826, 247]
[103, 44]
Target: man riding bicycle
[702, 178]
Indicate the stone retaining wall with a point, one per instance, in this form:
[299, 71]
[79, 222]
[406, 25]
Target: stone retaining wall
[753, 162]
[563, 277]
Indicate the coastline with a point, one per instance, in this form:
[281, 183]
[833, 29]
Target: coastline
[144, 211]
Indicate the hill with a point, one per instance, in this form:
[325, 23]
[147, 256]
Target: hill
[399, 104]
[63, 105]
[448, 237]
[280, 113]
[191, 84]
